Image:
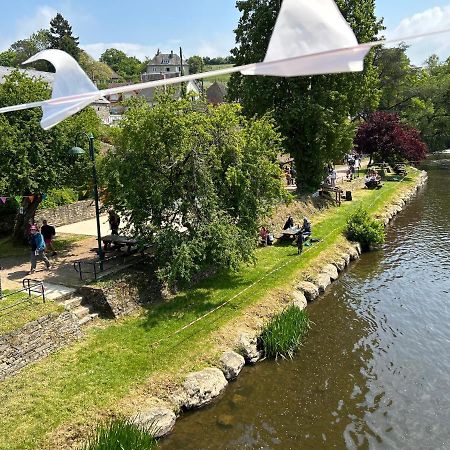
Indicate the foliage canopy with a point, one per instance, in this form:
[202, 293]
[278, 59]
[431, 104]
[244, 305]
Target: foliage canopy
[195, 180]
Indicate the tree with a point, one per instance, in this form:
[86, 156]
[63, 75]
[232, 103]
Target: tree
[128, 67]
[195, 64]
[33, 160]
[314, 113]
[385, 138]
[206, 178]
[99, 72]
[61, 36]
[8, 58]
[25, 48]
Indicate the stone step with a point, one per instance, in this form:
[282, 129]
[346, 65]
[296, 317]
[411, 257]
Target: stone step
[81, 311]
[87, 319]
[72, 303]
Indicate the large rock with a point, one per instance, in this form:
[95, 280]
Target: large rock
[331, 270]
[339, 263]
[248, 347]
[322, 280]
[310, 290]
[353, 253]
[346, 257]
[358, 248]
[231, 364]
[202, 387]
[299, 300]
[157, 421]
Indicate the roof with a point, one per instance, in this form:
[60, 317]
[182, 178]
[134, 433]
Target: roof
[45, 76]
[172, 58]
[216, 93]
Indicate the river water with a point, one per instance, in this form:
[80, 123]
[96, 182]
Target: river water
[374, 372]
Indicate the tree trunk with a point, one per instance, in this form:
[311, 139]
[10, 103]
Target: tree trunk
[22, 220]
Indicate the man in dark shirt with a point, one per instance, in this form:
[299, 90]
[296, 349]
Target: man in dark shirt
[48, 232]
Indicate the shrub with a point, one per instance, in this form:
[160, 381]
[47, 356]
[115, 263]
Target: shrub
[59, 197]
[120, 434]
[283, 335]
[365, 230]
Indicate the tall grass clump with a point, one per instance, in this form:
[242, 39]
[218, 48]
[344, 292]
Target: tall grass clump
[283, 335]
[365, 230]
[120, 434]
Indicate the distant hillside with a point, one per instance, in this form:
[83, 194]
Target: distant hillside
[221, 78]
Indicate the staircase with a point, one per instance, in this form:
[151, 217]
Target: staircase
[83, 313]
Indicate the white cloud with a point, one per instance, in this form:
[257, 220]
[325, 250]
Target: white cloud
[26, 26]
[433, 19]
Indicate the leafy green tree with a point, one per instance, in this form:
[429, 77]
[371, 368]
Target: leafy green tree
[206, 177]
[195, 64]
[62, 38]
[33, 160]
[25, 48]
[128, 67]
[99, 72]
[8, 58]
[314, 113]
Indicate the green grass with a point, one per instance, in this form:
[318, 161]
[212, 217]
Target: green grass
[120, 434]
[283, 335]
[18, 309]
[221, 78]
[94, 374]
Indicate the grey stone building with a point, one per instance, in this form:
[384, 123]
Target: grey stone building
[165, 65]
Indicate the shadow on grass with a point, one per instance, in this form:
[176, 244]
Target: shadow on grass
[192, 303]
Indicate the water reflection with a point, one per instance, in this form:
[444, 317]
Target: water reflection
[374, 372]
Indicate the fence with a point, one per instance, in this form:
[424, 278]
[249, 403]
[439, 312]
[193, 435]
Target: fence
[29, 286]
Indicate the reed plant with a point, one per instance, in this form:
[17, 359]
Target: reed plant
[120, 434]
[283, 335]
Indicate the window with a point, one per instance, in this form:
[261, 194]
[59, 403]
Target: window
[165, 61]
[154, 69]
[167, 69]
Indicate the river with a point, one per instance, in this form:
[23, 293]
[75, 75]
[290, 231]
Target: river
[374, 372]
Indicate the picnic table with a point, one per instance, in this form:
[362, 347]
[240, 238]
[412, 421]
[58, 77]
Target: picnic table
[336, 190]
[118, 241]
[290, 232]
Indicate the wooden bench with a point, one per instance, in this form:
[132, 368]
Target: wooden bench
[118, 242]
[336, 190]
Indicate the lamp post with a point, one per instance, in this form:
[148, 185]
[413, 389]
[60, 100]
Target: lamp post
[79, 151]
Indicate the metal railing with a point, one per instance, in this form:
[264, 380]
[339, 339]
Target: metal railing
[29, 286]
[95, 268]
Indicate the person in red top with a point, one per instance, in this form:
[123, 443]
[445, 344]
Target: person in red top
[48, 232]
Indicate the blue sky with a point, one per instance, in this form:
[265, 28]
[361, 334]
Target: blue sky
[204, 27]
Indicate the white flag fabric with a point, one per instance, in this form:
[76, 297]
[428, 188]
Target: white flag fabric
[310, 37]
[70, 79]
[305, 27]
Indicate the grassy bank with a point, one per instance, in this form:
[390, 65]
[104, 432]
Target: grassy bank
[94, 375]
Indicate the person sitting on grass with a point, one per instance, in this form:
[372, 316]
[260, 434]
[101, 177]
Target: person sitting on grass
[37, 249]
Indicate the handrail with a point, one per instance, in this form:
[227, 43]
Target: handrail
[77, 265]
[30, 285]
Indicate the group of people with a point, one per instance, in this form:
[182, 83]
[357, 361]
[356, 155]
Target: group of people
[372, 179]
[40, 241]
[301, 232]
[354, 164]
[290, 174]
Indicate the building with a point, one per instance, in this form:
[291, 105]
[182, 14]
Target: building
[217, 93]
[101, 106]
[165, 65]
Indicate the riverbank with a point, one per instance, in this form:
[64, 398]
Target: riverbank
[123, 368]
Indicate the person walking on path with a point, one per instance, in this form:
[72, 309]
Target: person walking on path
[48, 232]
[114, 222]
[37, 249]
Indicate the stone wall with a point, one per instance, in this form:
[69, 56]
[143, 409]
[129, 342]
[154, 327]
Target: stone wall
[36, 340]
[67, 214]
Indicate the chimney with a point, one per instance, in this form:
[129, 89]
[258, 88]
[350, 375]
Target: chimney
[171, 53]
